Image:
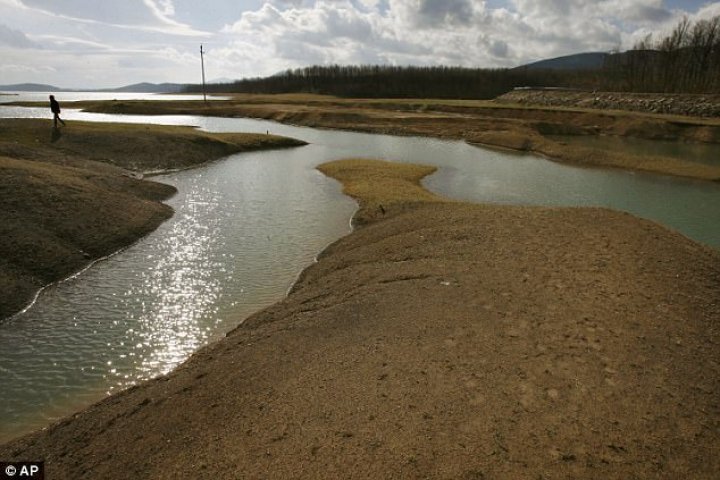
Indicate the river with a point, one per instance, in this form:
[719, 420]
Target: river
[244, 227]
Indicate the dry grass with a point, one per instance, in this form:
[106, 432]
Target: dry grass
[381, 187]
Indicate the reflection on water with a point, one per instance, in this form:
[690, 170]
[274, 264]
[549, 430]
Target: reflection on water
[184, 284]
[707, 153]
[243, 229]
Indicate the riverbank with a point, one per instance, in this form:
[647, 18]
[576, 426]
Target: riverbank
[516, 126]
[74, 195]
[440, 340]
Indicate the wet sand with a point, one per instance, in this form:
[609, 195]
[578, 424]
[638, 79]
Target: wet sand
[440, 340]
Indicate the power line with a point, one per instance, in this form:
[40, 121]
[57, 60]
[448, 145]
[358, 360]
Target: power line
[202, 64]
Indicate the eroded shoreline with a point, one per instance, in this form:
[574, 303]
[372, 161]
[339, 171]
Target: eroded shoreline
[521, 127]
[440, 340]
[72, 196]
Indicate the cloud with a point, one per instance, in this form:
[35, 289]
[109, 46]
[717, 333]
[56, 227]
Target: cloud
[14, 68]
[499, 49]
[448, 32]
[648, 14]
[65, 42]
[15, 38]
[143, 40]
[425, 32]
[149, 15]
[449, 12]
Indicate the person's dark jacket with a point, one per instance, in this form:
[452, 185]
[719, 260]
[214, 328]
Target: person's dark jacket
[54, 106]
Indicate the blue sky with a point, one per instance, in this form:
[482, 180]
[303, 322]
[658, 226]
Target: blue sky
[94, 43]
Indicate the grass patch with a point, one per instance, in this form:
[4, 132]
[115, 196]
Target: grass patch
[381, 188]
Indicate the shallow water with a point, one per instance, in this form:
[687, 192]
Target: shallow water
[707, 153]
[76, 96]
[244, 228]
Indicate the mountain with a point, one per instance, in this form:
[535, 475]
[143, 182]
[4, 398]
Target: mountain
[146, 88]
[221, 80]
[135, 88]
[579, 61]
[29, 87]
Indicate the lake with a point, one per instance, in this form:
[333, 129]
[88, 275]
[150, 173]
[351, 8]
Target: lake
[244, 228]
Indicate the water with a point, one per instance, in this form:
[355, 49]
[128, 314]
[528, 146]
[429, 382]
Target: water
[7, 97]
[244, 228]
[707, 153]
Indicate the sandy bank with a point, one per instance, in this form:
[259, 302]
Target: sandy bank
[524, 127]
[68, 197]
[441, 340]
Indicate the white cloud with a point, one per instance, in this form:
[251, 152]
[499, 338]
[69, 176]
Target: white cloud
[427, 32]
[13, 68]
[63, 42]
[146, 15]
[120, 42]
[15, 38]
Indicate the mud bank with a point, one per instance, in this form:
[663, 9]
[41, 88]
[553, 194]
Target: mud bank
[74, 195]
[440, 340]
[517, 126]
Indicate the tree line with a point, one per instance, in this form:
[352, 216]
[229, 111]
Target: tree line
[687, 60]
[384, 81]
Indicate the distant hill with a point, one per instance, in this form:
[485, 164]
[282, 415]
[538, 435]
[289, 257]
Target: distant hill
[146, 88]
[579, 61]
[222, 80]
[135, 88]
[29, 87]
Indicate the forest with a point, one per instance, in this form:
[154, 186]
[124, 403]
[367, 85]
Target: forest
[687, 60]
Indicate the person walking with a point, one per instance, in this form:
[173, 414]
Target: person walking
[55, 108]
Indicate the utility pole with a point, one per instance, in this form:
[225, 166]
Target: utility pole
[202, 64]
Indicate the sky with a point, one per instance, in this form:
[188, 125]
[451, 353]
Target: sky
[111, 43]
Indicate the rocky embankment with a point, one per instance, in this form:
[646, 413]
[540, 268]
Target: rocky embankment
[675, 104]
[441, 340]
